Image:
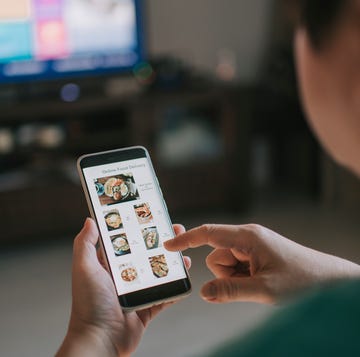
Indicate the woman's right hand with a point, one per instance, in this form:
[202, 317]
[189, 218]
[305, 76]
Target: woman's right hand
[253, 263]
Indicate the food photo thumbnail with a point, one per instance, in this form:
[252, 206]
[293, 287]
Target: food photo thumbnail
[151, 237]
[116, 189]
[143, 213]
[128, 272]
[113, 220]
[120, 244]
[159, 266]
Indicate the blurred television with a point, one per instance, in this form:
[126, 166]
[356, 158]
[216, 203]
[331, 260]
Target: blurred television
[60, 39]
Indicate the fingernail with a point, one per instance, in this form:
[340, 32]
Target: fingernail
[209, 292]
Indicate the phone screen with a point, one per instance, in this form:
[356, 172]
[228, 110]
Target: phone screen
[133, 220]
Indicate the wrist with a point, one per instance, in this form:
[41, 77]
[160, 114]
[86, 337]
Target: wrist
[329, 268]
[345, 269]
[86, 340]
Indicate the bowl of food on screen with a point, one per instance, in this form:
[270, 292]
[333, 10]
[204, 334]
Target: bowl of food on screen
[120, 245]
[116, 188]
[128, 273]
[113, 220]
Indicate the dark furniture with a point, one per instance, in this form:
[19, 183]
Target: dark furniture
[39, 190]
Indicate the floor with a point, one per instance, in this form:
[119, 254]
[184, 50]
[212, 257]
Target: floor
[35, 295]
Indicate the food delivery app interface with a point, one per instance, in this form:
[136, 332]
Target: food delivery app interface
[134, 225]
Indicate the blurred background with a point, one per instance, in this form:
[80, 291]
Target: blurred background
[210, 89]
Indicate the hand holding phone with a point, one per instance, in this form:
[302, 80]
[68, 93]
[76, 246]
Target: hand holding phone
[126, 202]
[98, 326]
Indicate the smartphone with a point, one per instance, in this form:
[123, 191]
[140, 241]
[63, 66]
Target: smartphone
[125, 200]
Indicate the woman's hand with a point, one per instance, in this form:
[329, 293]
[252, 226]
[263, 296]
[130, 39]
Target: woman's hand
[98, 326]
[253, 263]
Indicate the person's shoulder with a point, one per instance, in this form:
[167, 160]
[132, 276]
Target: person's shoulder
[325, 321]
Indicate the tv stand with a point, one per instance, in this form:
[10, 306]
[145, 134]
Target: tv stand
[44, 188]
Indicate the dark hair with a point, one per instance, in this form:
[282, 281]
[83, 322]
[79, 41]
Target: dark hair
[319, 17]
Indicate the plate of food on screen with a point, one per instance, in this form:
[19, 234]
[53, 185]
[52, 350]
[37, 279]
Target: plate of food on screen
[120, 244]
[159, 266]
[143, 213]
[116, 189]
[128, 273]
[113, 220]
[151, 237]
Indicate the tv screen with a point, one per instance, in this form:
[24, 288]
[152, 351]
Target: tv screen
[49, 39]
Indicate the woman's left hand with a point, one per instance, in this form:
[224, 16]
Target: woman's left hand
[98, 326]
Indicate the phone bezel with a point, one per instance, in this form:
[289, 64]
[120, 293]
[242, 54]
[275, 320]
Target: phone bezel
[143, 298]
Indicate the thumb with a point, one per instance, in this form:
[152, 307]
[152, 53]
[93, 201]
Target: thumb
[85, 243]
[251, 289]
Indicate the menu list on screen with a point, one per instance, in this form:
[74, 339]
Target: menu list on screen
[133, 223]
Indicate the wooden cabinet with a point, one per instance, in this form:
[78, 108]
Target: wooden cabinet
[199, 145]
[198, 141]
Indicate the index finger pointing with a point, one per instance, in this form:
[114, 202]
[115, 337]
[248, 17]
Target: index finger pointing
[214, 235]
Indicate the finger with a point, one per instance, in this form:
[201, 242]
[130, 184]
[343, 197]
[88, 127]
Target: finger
[217, 236]
[179, 229]
[222, 263]
[85, 242]
[148, 314]
[101, 258]
[236, 289]
[187, 262]
[229, 263]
